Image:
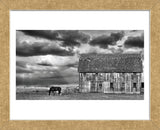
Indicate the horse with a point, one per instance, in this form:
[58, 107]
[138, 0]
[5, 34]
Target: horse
[55, 89]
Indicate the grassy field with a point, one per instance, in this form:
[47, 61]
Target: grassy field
[43, 95]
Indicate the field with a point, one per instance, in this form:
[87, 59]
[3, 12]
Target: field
[41, 93]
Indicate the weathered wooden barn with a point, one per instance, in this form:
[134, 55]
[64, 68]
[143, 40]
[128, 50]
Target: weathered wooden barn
[110, 73]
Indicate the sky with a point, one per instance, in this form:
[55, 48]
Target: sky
[45, 57]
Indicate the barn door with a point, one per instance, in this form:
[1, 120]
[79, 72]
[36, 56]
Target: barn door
[134, 87]
[106, 86]
[100, 87]
[93, 86]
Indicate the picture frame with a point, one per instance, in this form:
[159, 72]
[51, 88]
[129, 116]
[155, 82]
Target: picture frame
[5, 7]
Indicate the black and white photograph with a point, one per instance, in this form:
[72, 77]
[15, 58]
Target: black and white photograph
[80, 65]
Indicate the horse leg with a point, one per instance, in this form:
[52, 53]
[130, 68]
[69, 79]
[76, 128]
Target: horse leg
[49, 92]
[59, 92]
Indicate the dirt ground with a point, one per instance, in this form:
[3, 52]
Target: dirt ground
[43, 95]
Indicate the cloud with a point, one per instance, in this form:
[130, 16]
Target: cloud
[44, 64]
[68, 76]
[132, 50]
[48, 34]
[34, 49]
[62, 74]
[104, 40]
[67, 37]
[117, 50]
[21, 64]
[74, 65]
[56, 61]
[133, 30]
[87, 48]
[22, 70]
[73, 37]
[21, 67]
[135, 42]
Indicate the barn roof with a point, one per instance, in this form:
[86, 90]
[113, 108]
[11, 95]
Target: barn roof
[107, 63]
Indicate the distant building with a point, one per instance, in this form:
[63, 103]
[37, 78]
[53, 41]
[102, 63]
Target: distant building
[110, 73]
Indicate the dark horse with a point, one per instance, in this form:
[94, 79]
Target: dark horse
[55, 89]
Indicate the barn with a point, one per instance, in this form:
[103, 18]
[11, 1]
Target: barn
[111, 73]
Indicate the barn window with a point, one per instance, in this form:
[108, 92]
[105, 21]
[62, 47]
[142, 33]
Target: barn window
[142, 88]
[142, 85]
[123, 87]
[100, 84]
[134, 87]
[111, 87]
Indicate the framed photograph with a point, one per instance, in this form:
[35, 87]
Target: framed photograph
[66, 65]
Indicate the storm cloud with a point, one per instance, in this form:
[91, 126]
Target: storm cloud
[105, 40]
[135, 42]
[48, 34]
[44, 64]
[67, 37]
[73, 37]
[25, 49]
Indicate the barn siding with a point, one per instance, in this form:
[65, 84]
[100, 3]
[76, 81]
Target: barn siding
[101, 82]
